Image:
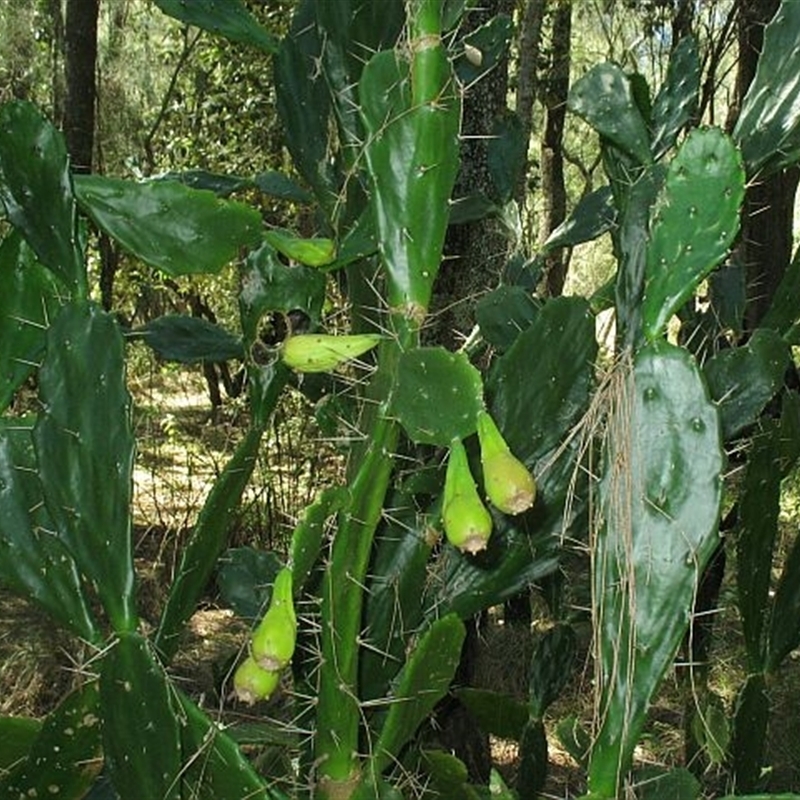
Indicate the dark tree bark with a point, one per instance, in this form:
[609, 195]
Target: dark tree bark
[554, 191]
[766, 240]
[476, 252]
[530, 47]
[80, 39]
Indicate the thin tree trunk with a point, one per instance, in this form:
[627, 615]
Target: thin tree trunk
[80, 37]
[554, 191]
[530, 46]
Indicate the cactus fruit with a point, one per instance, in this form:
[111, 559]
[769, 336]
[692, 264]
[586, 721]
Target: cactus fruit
[274, 639]
[467, 522]
[509, 485]
[252, 683]
[321, 352]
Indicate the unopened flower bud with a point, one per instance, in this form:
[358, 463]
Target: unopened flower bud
[273, 641]
[252, 683]
[467, 522]
[322, 352]
[509, 485]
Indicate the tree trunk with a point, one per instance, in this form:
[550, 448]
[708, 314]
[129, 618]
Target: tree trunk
[766, 238]
[80, 38]
[477, 251]
[554, 191]
[476, 255]
[530, 47]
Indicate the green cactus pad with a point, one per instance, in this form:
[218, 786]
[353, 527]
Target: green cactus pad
[759, 509]
[438, 396]
[179, 230]
[676, 101]
[66, 756]
[604, 98]
[768, 127]
[229, 19]
[30, 297]
[36, 190]
[269, 286]
[84, 446]
[34, 563]
[422, 682]
[659, 505]
[689, 234]
[217, 769]
[141, 731]
[540, 386]
[412, 159]
[744, 379]
[189, 340]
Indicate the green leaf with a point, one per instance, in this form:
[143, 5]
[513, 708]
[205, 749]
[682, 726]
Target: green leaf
[36, 190]
[659, 505]
[166, 224]
[438, 395]
[689, 235]
[189, 340]
[207, 542]
[768, 127]
[422, 682]
[540, 385]
[245, 578]
[30, 297]
[65, 757]
[85, 448]
[228, 18]
[676, 102]
[604, 98]
[412, 158]
[496, 713]
[141, 730]
[33, 562]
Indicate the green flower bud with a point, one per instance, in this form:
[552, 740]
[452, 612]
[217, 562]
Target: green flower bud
[273, 641]
[251, 683]
[509, 485]
[321, 352]
[467, 522]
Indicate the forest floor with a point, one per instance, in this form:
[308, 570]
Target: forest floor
[182, 447]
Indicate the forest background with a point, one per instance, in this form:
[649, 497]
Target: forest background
[140, 95]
